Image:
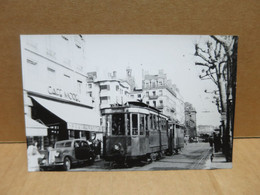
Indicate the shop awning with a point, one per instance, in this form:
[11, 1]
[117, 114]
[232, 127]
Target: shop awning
[34, 128]
[76, 117]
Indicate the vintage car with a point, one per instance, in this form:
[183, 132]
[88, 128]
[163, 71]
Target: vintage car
[68, 152]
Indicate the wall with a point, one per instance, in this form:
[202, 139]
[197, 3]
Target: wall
[52, 75]
[120, 17]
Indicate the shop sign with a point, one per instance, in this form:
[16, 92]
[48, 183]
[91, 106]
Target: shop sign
[63, 94]
[77, 126]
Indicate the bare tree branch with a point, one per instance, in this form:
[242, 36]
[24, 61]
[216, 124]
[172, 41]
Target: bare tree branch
[202, 64]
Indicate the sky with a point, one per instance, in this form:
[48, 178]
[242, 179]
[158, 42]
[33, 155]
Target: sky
[172, 53]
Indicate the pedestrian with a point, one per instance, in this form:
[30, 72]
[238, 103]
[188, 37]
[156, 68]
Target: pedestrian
[98, 148]
[211, 141]
[217, 142]
[33, 157]
[186, 140]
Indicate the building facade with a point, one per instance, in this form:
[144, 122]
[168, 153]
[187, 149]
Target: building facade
[159, 92]
[107, 91]
[55, 88]
[190, 120]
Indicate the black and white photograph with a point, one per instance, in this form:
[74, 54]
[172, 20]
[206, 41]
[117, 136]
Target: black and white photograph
[129, 102]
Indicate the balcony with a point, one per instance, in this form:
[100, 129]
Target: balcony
[153, 97]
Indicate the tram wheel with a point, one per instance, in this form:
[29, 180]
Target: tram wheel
[153, 156]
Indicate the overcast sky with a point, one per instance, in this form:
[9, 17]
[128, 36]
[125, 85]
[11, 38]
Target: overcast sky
[174, 54]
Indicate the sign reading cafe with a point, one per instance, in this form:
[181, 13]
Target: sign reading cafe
[63, 94]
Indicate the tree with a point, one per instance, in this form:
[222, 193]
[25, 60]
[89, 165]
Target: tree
[218, 57]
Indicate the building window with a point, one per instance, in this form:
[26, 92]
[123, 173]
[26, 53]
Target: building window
[147, 94]
[139, 95]
[29, 61]
[104, 99]
[161, 102]
[154, 103]
[90, 94]
[154, 93]
[67, 76]
[50, 70]
[90, 86]
[79, 84]
[104, 87]
[77, 45]
[64, 37]
[147, 102]
[160, 92]
[117, 87]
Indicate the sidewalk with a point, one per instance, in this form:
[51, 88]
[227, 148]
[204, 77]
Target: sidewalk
[218, 162]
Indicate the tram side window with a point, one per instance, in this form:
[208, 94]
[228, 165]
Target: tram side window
[165, 125]
[162, 124]
[155, 122]
[142, 124]
[146, 124]
[159, 122]
[128, 125]
[151, 121]
[108, 124]
[134, 124]
[118, 124]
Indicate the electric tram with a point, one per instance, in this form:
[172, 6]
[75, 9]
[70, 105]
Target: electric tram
[137, 131]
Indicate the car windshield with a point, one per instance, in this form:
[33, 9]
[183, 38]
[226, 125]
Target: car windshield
[63, 144]
[59, 145]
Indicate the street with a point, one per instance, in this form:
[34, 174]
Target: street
[192, 156]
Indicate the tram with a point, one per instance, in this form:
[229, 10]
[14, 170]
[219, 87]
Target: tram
[176, 137]
[136, 131]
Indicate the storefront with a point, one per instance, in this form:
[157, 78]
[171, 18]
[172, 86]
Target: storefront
[35, 131]
[64, 120]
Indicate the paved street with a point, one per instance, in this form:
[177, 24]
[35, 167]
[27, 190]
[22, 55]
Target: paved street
[193, 156]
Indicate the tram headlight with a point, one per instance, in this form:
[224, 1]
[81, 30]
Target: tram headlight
[116, 147]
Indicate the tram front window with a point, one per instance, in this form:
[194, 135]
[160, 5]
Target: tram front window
[118, 124]
[135, 124]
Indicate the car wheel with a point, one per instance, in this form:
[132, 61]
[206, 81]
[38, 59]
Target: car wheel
[66, 164]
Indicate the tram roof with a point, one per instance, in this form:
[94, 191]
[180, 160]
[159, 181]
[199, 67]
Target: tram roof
[133, 103]
[141, 104]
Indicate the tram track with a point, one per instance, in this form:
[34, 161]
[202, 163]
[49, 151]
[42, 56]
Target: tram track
[202, 158]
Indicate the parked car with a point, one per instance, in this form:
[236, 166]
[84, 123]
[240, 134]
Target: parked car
[68, 152]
